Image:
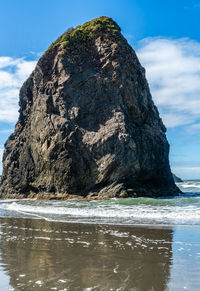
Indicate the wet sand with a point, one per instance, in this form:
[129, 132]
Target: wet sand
[43, 255]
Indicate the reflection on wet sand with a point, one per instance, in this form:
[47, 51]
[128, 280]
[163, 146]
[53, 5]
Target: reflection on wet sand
[43, 255]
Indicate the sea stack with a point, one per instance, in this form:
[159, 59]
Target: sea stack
[87, 123]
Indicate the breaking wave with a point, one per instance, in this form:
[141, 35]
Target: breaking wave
[181, 210]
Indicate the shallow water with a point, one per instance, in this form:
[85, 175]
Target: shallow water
[119, 244]
[181, 210]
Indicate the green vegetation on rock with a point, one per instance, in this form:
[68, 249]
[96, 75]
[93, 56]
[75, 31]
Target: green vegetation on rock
[83, 33]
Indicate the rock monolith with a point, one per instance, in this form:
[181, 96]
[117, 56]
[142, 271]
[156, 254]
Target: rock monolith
[87, 123]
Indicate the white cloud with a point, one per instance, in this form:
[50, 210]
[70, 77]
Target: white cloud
[172, 119]
[13, 72]
[7, 61]
[173, 71]
[194, 129]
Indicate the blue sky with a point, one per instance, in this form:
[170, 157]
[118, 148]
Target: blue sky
[165, 35]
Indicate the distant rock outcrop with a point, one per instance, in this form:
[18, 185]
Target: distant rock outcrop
[176, 179]
[87, 122]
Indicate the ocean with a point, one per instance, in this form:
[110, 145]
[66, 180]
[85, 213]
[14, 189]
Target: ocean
[117, 244]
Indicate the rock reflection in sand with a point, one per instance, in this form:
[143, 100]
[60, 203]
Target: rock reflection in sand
[43, 255]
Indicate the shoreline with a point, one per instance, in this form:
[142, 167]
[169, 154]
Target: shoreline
[88, 197]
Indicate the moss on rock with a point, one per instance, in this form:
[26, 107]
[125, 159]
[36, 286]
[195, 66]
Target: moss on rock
[83, 33]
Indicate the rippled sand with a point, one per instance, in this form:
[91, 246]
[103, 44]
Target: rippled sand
[44, 255]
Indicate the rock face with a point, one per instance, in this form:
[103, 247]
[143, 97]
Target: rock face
[87, 123]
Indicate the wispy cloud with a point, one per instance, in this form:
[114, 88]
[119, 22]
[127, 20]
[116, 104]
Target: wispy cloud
[194, 129]
[1, 154]
[172, 68]
[36, 54]
[192, 6]
[6, 130]
[173, 71]
[197, 5]
[13, 72]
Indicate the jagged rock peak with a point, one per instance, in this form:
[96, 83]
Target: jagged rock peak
[87, 123]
